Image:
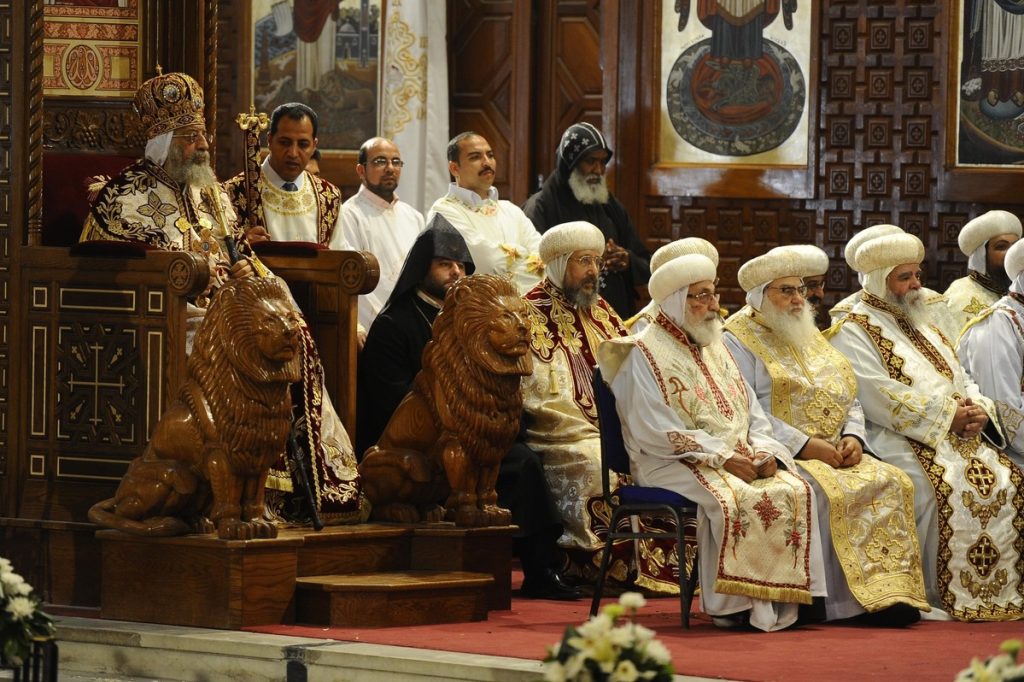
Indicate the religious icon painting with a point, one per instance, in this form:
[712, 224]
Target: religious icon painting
[325, 54]
[735, 78]
[989, 100]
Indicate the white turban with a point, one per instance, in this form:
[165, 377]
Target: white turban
[794, 260]
[976, 234]
[867, 234]
[158, 147]
[682, 247]
[878, 257]
[561, 241]
[1014, 265]
[670, 284]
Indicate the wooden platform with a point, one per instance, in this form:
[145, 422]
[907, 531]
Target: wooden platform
[202, 581]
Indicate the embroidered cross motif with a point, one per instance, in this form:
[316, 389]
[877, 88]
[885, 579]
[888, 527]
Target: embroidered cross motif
[983, 555]
[682, 444]
[766, 511]
[157, 210]
[980, 477]
[974, 307]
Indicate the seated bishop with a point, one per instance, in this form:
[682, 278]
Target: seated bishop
[992, 351]
[926, 415]
[692, 424]
[984, 241]
[941, 315]
[809, 392]
[171, 200]
[569, 319]
[662, 255]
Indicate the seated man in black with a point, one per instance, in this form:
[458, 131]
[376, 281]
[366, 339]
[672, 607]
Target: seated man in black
[390, 361]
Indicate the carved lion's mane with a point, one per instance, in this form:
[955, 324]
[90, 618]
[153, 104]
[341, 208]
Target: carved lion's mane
[248, 394]
[484, 406]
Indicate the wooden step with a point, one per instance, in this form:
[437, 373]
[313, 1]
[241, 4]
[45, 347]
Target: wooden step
[392, 599]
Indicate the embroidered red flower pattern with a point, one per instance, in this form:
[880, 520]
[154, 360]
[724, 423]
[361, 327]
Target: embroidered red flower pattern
[767, 511]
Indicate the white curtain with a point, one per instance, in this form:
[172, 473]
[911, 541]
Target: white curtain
[414, 96]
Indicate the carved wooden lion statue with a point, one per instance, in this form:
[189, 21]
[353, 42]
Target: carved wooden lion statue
[439, 455]
[207, 462]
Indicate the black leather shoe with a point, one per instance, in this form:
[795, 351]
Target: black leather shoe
[549, 584]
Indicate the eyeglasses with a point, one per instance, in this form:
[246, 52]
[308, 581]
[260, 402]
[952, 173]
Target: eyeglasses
[588, 261]
[907, 276]
[705, 297]
[814, 284]
[381, 162]
[193, 137]
[789, 291]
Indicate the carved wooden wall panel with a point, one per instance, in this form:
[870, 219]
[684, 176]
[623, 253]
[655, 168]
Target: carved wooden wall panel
[489, 84]
[568, 82]
[105, 355]
[881, 102]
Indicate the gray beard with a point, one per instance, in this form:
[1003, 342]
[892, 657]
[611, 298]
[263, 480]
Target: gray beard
[585, 192]
[580, 298]
[195, 172]
[796, 329]
[912, 306]
[704, 331]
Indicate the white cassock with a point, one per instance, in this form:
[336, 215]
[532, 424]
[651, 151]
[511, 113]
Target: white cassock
[500, 237]
[772, 519]
[967, 494]
[969, 296]
[992, 352]
[385, 229]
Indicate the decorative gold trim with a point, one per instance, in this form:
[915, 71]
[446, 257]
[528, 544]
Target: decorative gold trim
[154, 380]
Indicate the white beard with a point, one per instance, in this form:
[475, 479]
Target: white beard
[196, 172]
[794, 328]
[587, 192]
[704, 331]
[913, 307]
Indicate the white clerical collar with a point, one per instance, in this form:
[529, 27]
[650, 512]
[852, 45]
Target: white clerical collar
[271, 175]
[471, 198]
[367, 194]
[427, 298]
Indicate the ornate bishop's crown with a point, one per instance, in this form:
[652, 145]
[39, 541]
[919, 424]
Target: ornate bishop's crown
[167, 102]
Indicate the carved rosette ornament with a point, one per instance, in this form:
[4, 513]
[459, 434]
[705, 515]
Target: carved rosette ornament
[188, 274]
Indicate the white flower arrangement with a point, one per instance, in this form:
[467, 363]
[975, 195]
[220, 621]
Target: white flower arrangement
[601, 649]
[1002, 667]
[21, 621]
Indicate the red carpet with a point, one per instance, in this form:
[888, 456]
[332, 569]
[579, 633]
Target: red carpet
[925, 651]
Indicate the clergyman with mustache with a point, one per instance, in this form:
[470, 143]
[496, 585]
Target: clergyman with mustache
[578, 190]
[925, 414]
[809, 392]
[568, 319]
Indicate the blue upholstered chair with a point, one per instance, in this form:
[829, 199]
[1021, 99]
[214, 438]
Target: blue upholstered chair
[632, 500]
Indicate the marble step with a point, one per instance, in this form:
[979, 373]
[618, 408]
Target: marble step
[93, 650]
[392, 599]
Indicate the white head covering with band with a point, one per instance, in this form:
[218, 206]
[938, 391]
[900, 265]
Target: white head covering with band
[1014, 265]
[976, 233]
[681, 247]
[561, 241]
[878, 257]
[671, 282]
[794, 260]
[865, 235]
